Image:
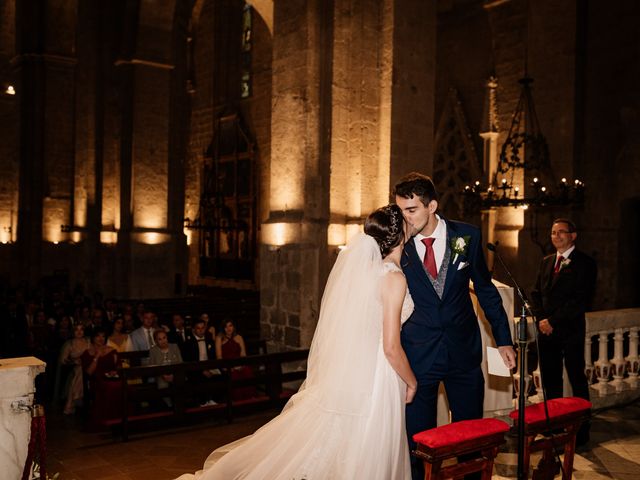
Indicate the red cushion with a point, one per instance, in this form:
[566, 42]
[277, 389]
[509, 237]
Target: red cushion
[557, 407]
[458, 432]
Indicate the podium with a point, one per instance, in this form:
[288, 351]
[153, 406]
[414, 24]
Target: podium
[17, 377]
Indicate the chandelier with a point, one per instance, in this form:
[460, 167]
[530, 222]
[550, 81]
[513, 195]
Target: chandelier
[524, 158]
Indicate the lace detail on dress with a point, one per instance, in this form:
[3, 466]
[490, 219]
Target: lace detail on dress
[407, 304]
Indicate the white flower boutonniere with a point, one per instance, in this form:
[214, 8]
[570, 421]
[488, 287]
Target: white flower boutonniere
[459, 246]
[564, 263]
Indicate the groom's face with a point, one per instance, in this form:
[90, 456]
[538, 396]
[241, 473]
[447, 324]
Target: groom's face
[419, 217]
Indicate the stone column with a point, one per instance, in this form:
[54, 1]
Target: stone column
[151, 204]
[294, 237]
[412, 86]
[45, 65]
[17, 377]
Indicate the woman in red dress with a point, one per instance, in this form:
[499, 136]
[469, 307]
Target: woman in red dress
[99, 363]
[231, 345]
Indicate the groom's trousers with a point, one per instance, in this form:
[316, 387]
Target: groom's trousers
[465, 393]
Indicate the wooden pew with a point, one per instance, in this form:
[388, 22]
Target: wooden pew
[269, 380]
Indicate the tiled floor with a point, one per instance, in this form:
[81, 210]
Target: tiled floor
[614, 450]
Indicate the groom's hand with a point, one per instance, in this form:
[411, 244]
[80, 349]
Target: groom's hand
[508, 355]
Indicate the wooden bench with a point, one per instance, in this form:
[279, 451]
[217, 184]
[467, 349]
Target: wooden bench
[268, 378]
[565, 417]
[482, 436]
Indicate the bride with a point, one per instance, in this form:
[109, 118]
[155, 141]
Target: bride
[347, 420]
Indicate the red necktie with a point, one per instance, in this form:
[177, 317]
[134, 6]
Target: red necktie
[556, 269]
[429, 257]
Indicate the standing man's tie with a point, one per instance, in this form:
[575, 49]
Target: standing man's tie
[556, 269]
[149, 338]
[429, 257]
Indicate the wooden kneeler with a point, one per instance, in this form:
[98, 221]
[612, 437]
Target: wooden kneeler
[482, 436]
[565, 417]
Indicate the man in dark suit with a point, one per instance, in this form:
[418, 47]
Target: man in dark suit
[178, 333]
[562, 294]
[199, 348]
[442, 337]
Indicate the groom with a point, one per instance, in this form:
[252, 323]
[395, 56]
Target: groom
[442, 337]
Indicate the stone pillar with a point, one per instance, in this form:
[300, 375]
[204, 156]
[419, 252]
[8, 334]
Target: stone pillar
[150, 215]
[17, 377]
[45, 65]
[412, 86]
[293, 244]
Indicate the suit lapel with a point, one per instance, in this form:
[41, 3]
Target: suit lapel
[453, 261]
[416, 265]
[554, 278]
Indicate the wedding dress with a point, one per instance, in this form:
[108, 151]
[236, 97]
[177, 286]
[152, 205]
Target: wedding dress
[347, 420]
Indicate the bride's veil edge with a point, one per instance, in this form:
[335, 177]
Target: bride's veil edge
[344, 349]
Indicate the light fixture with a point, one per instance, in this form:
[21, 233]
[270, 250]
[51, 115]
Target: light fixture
[524, 156]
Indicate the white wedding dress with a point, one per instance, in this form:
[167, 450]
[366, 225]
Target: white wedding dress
[347, 420]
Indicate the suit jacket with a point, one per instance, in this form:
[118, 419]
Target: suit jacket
[451, 319]
[173, 337]
[139, 340]
[564, 298]
[191, 352]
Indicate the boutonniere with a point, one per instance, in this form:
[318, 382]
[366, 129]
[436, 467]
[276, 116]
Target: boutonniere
[459, 246]
[564, 263]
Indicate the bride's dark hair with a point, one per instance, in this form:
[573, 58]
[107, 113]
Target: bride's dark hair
[385, 226]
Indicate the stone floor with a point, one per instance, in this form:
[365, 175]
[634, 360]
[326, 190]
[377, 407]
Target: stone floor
[614, 450]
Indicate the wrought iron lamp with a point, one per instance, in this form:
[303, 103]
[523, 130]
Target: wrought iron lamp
[524, 157]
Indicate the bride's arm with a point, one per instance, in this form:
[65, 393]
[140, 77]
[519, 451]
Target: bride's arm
[394, 287]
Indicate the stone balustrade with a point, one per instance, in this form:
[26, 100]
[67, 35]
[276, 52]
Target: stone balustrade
[612, 376]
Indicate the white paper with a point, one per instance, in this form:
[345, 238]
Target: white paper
[495, 364]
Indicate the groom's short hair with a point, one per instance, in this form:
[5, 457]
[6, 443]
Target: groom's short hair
[417, 184]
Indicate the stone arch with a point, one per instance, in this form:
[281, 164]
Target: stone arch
[264, 8]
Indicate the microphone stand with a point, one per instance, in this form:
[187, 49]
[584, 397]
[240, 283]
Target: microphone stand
[522, 351]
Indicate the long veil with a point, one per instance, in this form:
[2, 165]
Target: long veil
[326, 429]
[343, 354]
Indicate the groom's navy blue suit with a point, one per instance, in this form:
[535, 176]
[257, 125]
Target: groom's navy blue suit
[442, 337]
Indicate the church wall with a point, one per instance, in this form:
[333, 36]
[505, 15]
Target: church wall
[585, 100]
[611, 158]
[9, 133]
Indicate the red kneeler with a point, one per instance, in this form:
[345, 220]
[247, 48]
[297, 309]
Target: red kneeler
[565, 416]
[482, 436]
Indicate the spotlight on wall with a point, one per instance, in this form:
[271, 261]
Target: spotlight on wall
[277, 234]
[5, 235]
[10, 90]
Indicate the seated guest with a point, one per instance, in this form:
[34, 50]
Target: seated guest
[164, 353]
[231, 345]
[200, 348]
[211, 329]
[142, 337]
[69, 375]
[118, 340]
[178, 333]
[99, 363]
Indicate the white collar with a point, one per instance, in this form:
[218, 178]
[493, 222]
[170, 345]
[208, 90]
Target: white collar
[439, 232]
[567, 252]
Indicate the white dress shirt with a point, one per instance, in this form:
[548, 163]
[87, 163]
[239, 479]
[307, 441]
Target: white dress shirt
[439, 244]
[202, 348]
[566, 253]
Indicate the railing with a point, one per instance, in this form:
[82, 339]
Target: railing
[269, 377]
[612, 376]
